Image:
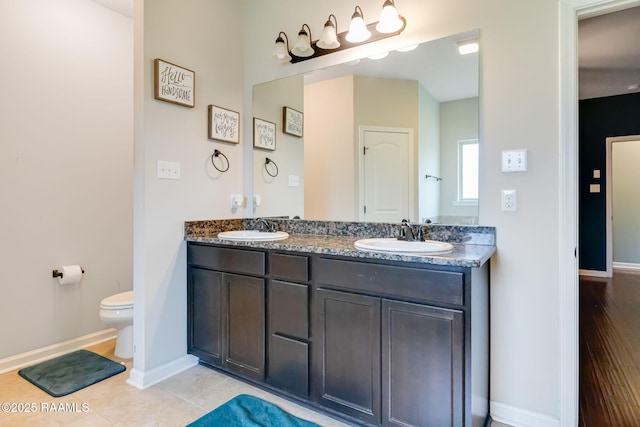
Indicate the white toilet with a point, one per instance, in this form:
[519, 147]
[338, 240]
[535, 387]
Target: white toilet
[117, 312]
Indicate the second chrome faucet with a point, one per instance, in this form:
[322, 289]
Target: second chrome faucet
[407, 232]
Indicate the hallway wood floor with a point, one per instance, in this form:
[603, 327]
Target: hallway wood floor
[610, 351]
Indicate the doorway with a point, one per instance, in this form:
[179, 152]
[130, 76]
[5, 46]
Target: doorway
[604, 309]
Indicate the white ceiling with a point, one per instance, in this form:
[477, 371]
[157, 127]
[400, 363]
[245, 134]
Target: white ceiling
[609, 54]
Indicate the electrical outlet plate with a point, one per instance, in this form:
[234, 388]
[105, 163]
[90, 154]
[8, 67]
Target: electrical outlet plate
[514, 160]
[509, 201]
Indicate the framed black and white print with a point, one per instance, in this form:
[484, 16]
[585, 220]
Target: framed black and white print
[224, 125]
[292, 121]
[174, 84]
[264, 134]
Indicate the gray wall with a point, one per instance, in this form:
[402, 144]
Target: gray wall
[200, 35]
[66, 167]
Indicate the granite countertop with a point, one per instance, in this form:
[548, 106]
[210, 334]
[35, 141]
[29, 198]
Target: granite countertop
[469, 250]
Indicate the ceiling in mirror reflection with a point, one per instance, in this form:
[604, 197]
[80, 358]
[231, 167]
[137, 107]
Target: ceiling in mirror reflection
[437, 65]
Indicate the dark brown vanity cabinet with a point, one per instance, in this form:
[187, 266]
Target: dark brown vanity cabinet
[226, 311]
[393, 343]
[390, 362]
[385, 343]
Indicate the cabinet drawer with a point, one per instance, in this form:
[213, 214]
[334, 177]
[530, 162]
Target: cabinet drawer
[289, 309]
[289, 364]
[226, 259]
[399, 282]
[290, 267]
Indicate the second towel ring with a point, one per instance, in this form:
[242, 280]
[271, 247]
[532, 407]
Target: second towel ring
[267, 162]
[218, 153]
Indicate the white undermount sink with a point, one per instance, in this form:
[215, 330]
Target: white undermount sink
[393, 245]
[252, 235]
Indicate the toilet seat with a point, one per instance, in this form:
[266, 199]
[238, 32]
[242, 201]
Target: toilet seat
[118, 301]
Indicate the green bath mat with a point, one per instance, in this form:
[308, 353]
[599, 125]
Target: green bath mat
[71, 372]
[250, 411]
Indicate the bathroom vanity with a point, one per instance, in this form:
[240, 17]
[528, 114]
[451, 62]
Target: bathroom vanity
[379, 339]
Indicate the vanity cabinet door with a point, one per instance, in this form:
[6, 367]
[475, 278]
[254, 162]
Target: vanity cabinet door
[205, 296]
[347, 372]
[422, 365]
[245, 348]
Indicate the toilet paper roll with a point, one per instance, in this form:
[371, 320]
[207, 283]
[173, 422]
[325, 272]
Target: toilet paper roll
[70, 274]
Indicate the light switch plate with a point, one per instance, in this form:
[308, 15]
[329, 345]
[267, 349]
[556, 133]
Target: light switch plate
[168, 170]
[294, 181]
[514, 160]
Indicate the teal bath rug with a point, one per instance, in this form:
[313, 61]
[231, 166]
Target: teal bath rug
[250, 411]
[70, 372]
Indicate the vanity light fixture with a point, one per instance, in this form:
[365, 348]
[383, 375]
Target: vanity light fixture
[281, 50]
[389, 19]
[465, 47]
[358, 31]
[303, 48]
[329, 39]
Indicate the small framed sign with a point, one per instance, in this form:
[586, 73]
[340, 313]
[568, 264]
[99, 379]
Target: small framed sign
[292, 121]
[264, 134]
[174, 84]
[224, 125]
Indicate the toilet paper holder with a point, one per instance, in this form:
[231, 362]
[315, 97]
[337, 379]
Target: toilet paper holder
[59, 274]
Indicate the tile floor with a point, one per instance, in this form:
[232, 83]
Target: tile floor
[176, 401]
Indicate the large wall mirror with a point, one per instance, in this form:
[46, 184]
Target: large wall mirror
[382, 139]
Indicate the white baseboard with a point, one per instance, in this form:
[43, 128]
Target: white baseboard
[145, 379]
[41, 354]
[627, 266]
[518, 417]
[593, 273]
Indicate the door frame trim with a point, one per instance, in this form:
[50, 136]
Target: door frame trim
[609, 196]
[570, 12]
[360, 172]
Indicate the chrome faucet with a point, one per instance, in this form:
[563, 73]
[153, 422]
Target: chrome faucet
[407, 233]
[266, 226]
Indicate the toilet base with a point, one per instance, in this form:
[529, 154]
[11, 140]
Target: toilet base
[124, 343]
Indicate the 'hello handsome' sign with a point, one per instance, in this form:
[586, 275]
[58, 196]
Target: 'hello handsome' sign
[174, 84]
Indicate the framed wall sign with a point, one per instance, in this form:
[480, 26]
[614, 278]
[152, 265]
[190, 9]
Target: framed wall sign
[174, 84]
[224, 125]
[264, 134]
[292, 121]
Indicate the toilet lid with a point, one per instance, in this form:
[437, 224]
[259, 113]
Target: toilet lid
[124, 299]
